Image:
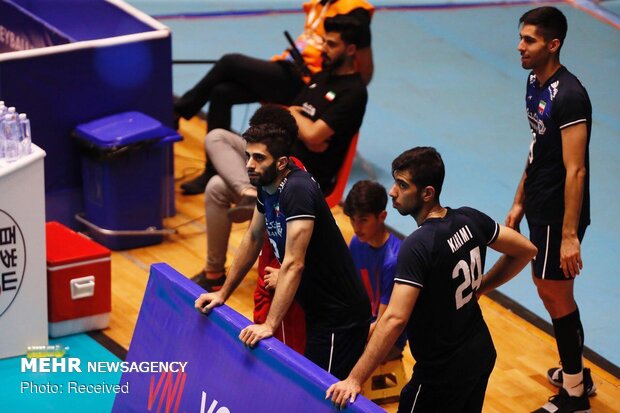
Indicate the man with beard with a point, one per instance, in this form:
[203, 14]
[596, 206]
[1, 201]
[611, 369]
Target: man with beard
[439, 276]
[316, 267]
[237, 78]
[328, 113]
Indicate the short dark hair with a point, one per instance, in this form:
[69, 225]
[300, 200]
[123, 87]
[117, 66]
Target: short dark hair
[350, 29]
[549, 20]
[425, 166]
[366, 197]
[275, 127]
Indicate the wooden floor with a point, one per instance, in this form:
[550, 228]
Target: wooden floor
[518, 383]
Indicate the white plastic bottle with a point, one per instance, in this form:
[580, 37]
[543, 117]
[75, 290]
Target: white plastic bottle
[12, 138]
[26, 137]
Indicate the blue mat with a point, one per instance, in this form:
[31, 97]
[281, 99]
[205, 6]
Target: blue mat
[19, 390]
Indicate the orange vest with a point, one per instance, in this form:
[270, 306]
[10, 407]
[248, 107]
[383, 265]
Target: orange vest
[310, 41]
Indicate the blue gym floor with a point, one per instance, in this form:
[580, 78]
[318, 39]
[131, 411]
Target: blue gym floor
[450, 77]
[19, 393]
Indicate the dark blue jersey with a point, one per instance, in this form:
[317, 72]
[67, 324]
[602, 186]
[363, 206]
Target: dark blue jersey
[330, 291]
[561, 102]
[445, 257]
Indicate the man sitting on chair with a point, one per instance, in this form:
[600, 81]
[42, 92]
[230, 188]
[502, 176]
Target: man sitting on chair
[328, 113]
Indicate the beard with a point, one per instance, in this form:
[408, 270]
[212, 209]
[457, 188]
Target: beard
[331, 65]
[414, 210]
[267, 177]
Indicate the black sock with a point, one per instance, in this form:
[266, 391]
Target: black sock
[569, 338]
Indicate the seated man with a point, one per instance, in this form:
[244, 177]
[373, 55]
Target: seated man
[374, 250]
[328, 113]
[236, 78]
[316, 267]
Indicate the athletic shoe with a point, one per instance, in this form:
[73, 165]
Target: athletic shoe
[197, 185]
[564, 403]
[555, 377]
[210, 285]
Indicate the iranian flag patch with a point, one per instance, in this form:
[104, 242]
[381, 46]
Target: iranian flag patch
[541, 106]
[330, 96]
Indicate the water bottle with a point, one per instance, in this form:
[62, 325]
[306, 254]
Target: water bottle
[12, 137]
[26, 137]
[57, 350]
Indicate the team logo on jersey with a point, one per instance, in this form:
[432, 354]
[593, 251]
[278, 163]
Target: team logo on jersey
[541, 106]
[309, 109]
[276, 209]
[331, 95]
[553, 89]
[312, 86]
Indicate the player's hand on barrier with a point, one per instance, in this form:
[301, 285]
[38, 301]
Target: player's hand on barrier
[271, 278]
[570, 256]
[254, 333]
[208, 301]
[343, 392]
[514, 217]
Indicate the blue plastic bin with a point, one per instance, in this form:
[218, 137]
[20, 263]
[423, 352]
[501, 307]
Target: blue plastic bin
[123, 168]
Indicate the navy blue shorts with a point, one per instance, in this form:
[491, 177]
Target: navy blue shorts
[548, 238]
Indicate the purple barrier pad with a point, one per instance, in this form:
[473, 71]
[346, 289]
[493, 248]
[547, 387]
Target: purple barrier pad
[221, 374]
[19, 30]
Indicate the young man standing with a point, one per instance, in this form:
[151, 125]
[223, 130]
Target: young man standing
[374, 250]
[316, 267]
[554, 194]
[439, 276]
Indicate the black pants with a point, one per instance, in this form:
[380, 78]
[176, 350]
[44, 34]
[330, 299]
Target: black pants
[236, 79]
[336, 351]
[459, 396]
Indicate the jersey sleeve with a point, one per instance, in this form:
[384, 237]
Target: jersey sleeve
[298, 199]
[485, 224]
[414, 262]
[571, 107]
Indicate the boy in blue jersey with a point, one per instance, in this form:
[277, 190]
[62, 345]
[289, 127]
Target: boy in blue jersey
[554, 194]
[439, 275]
[374, 250]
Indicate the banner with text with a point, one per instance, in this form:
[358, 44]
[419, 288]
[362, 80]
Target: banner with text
[220, 374]
[20, 30]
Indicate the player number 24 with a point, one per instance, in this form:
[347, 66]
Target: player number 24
[472, 272]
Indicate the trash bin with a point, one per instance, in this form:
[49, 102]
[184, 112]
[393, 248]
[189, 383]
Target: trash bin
[123, 174]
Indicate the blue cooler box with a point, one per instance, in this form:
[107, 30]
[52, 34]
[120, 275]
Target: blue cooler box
[124, 167]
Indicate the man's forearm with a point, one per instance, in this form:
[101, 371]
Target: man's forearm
[382, 340]
[288, 282]
[244, 260]
[573, 199]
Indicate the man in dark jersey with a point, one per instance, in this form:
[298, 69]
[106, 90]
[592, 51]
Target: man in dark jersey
[328, 113]
[554, 194]
[439, 275]
[316, 267]
[236, 78]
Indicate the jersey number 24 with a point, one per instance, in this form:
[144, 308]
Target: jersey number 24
[472, 273]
